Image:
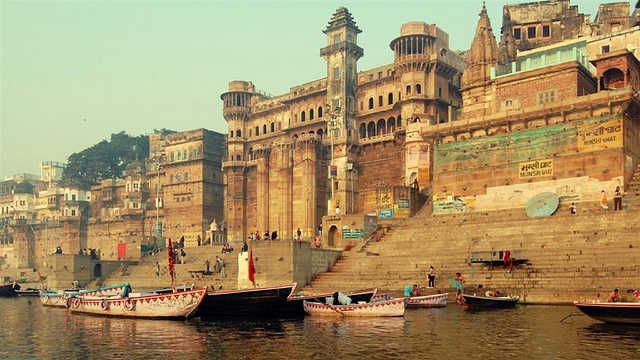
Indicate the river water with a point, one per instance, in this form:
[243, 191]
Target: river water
[31, 331]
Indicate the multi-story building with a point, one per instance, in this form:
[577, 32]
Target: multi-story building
[462, 132]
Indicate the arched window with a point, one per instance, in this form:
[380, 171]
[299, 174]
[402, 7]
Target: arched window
[238, 133]
[303, 116]
[362, 131]
[320, 111]
[390, 99]
[311, 114]
[273, 127]
[381, 127]
[439, 91]
[320, 133]
[371, 129]
[418, 89]
[231, 134]
[361, 106]
[408, 91]
[391, 125]
[370, 103]
[380, 104]
[264, 128]
[257, 131]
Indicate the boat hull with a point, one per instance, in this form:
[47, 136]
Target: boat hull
[615, 313]
[171, 305]
[491, 302]
[393, 307]
[61, 298]
[9, 289]
[437, 300]
[294, 304]
[259, 301]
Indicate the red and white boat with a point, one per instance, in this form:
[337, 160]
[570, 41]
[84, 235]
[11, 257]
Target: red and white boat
[172, 304]
[62, 298]
[436, 300]
[393, 307]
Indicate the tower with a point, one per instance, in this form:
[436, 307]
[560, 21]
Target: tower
[342, 53]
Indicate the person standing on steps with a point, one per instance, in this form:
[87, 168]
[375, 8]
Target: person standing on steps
[617, 199]
[431, 277]
[157, 268]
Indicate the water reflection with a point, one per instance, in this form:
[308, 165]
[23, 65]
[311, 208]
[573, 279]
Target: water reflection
[530, 332]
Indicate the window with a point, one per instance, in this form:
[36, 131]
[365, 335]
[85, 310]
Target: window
[273, 127]
[370, 77]
[303, 117]
[195, 153]
[418, 89]
[171, 157]
[185, 153]
[413, 152]
[320, 111]
[380, 101]
[439, 91]
[336, 72]
[179, 155]
[545, 97]
[310, 116]
[178, 177]
[545, 31]
[516, 34]
[408, 90]
[370, 103]
[379, 74]
[390, 99]
[337, 38]
[73, 213]
[136, 186]
[615, 27]
[186, 176]
[264, 128]
[606, 49]
[238, 134]
[531, 32]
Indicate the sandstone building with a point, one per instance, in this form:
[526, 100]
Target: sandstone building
[548, 107]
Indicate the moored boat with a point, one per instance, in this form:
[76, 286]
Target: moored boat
[393, 307]
[178, 304]
[9, 289]
[253, 301]
[60, 298]
[294, 305]
[615, 313]
[436, 300]
[489, 301]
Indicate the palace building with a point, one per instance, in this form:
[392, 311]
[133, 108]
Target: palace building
[550, 106]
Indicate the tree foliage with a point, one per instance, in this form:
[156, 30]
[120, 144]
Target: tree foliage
[104, 160]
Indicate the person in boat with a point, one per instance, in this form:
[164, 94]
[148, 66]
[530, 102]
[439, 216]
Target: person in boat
[615, 296]
[460, 299]
[407, 290]
[493, 293]
[415, 291]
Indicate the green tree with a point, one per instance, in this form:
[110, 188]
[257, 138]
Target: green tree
[104, 160]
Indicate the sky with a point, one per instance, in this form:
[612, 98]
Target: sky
[74, 72]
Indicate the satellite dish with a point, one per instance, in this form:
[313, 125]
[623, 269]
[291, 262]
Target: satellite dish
[543, 204]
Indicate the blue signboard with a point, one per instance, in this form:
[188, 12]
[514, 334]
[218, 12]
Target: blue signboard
[386, 214]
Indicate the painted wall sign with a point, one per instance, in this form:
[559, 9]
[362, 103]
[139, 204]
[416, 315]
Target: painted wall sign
[536, 168]
[352, 233]
[600, 136]
[386, 214]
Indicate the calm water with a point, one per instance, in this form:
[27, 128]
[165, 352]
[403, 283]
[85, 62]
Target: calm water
[529, 332]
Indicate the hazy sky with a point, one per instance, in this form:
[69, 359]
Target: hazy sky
[73, 73]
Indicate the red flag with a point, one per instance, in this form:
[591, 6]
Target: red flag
[252, 268]
[171, 260]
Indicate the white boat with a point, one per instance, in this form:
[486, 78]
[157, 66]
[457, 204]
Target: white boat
[436, 300]
[393, 307]
[61, 298]
[178, 304]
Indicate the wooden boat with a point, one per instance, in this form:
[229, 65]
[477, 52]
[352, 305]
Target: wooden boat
[436, 300]
[393, 307]
[490, 302]
[294, 306]
[60, 298]
[9, 289]
[256, 301]
[616, 313]
[28, 292]
[179, 304]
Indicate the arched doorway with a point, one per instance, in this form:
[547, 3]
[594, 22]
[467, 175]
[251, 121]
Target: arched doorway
[97, 271]
[332, 235]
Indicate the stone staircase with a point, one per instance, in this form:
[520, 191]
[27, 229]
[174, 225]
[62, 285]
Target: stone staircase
[143, 276]
[568, 257]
